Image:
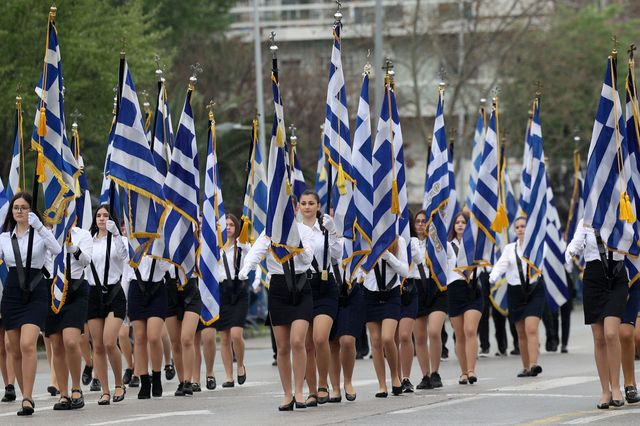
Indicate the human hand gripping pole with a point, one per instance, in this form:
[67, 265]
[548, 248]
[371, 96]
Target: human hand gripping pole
[34, 221]
[113, 228]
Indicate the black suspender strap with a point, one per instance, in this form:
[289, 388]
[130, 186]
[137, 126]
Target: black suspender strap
[18, 257]
[225, 262]
[524, 279]
[237, 260]
[107, 259]
[605, 258]
[324, 276]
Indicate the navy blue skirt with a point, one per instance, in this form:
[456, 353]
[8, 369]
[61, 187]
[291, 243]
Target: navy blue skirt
[633, 305]
[463, 298]
[101, 305]
[351, 315]
[15, 311]
[521, 307]
[150, 303]
[234, 305]
[325, 296]
[409, 300]
[284, 307]
[183, 300]
[73, 313]
[381, 305]
[601, 299]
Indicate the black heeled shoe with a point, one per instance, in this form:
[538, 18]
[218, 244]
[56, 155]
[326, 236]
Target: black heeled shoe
[382, 394]
[27, 410]
[396, 390]
[287, 407]
[535, 370]
[603, 405]
[472, 378]
[335, 399]
[119, 398]
[53, 391]
[312, 400]
[299, 405]
[242, 377]
[77, 403]
[228, 384]
[350, 396]
[463, 380]
[103, 401]
[323, 399]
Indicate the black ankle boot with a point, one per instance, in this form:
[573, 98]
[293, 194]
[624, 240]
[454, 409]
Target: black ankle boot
[145, 387]
[156, 384]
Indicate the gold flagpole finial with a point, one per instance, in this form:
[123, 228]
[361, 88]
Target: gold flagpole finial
[338, 14]
[123, 49]
[53, 10]
[75, 115]
[538, 88]
[274, 46]
[442, 74]
[632, 48]
[195, 70]
[614, 52]
[210, 107]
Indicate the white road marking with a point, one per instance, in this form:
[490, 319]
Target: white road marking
[538, 385]
[436, 405]
[514, 394]
[605, 416]
[142, 417]
[17, 407]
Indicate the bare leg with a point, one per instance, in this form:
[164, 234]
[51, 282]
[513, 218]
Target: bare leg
[96, 328]
[388, 332]
[73, 354]
[600, 352]
[112, 326]
[461, 350]
[60, 363]
[422, 350]
[209, 349]
[375, 333]
[125, 345]
[155, 325]
[237, 339]
[310, 368]
[167, 346]
[334, 365]
[405, 333]
[434, 330]
[187, 338]
[283, 342]
[173, 327]
[297, 336]
[226, 354]
[348, 361]
[612, 341]
[471, 321]
[627, 355]
[320, 333]
[522, 344]
[531, 325]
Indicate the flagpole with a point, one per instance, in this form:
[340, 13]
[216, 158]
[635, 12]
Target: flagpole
[155, 116]
[245, 232]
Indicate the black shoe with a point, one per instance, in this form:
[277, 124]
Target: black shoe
[406, 385]
[169, 371]
[472, 378]
[145, 387]
[53, 391]
[616, 403]
[180, 390]
[95, 385]
[196, 387]
[515, 351]
[350, 396]
[396, 390]
[603, 406]
[119, 398]
[103, 401]
[126, 377]
[135, 382]
[77, 403]
[484, 353]
[524, 373]
[631, 394]
[63, 404]
[359, 355]
[535, 370]
[28, 409]
[287, 407]
[299, 405]
[242, 377]
[436, 381]
[274, 364]
[156, 384]
[9, 393]
[188, 388]
[86, 374]
[228, 384]
[335, 399]
[445, 353]
[564, 349]
[211, 382]
[425, 383]
[312, 400]
[323, 399]
[382, 394]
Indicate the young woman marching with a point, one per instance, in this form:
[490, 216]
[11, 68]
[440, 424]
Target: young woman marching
[24, 300]
[234, 303]
[182, 320]
[65, 327]
[408, 314]
[383, 307]
[526, 300]
[327, 250]
[147, 309]
[605, 296]
[205, 344]
[107, 301]
[432, 309]
[465, 307]
[290, 311]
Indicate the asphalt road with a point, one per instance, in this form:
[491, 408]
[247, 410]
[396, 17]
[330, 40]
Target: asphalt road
[565, 393]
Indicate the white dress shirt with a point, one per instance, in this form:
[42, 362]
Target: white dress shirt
[80, 238]
[584, 242]
[452, 262]
[317, 243]
[230, 251]
[397, 266]
[144, 269]
[260, 249]
[43, 239]
[507, 265]
[418, 256]
[117, 258]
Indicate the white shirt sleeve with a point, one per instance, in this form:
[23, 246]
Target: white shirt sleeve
[503, 264]
[49, 240]
[257, 252]
[399, 263]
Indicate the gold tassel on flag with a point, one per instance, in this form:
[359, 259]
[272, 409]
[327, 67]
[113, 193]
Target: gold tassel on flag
[341, 181]
[395, 203]
[631, 217]
[219, 231]
[243, 238]
[501, 221]
[40, 166]
[42, 125]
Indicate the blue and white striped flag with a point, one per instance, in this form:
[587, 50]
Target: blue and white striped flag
[361, 157]
[212, 234]
[163, 134]
[452, 207]
[131, 166]
[476, 152]
[16, 182]
[437, 201]
[4, 203]
[553, 272]
[182, 193]
[607, 192]
[633, 139]
[295, 172]
[84, 215]
[386, 204]
[535, 205]
[321, 185]
[337, 140]
[281, 220]
[254, 208]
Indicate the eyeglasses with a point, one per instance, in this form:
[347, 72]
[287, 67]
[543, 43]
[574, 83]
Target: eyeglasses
[421, 222]
[21, 209]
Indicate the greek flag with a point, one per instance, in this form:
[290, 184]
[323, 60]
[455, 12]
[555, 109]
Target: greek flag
[321, 186]
[476, 153]
[182, 193]
[4, 202]
[525, 176]
[281, 220]
[576, 209]
[56, 167]
[16, 182]
[452, 207]
[254, 208]
[337, 140]
[296, 176]
[361, 157]
[633, 139]
[84, 214]
[555, 276]
[212, 236]
[386, 204]
[607, 192]
[163, 133]
[131, 166]
[437, 200]
[478, 239]
[535, 206]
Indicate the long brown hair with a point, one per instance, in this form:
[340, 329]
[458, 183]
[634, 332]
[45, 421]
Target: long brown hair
[9, 221]
[452, 231]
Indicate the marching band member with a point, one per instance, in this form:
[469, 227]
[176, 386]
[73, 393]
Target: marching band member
[107, 301]
[24, 300]
[526, 301]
